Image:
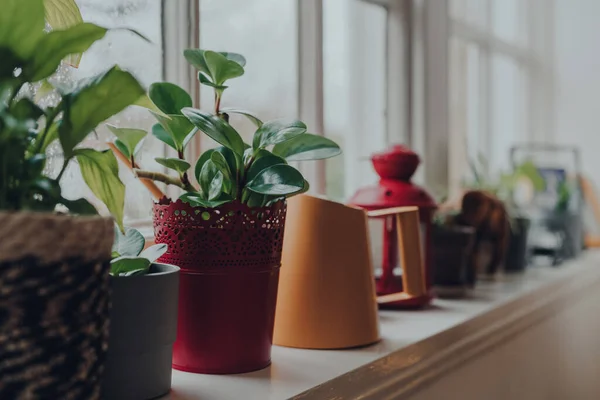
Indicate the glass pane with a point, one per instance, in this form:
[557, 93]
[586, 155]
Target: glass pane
[507, 91]
[506, 17]
[265, 32]
[131, 53]
[470, 11]
[354, 58]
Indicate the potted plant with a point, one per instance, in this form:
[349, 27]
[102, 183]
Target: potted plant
[226, 232]
[143, 319]
[452, 247]
[54, 269]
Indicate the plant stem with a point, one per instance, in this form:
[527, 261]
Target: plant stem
[63, 169]
[218, 103]
[49, 121]
[164, 178]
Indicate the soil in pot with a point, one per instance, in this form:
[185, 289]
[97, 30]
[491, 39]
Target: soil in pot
[451, 249]
[142, 332]
[229, 258]
[516, 255]
[54, 305]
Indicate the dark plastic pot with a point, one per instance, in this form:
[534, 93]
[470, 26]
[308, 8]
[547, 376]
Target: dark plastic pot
[143, 324]
[451, 249]
[54, 305]
[229, 259]
[516, 255]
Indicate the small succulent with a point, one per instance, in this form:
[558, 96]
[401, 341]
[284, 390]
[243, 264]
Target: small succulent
[128, 254]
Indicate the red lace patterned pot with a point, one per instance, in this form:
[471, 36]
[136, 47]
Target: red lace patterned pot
[229, 259]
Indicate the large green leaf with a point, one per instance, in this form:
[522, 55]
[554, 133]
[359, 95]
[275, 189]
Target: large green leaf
[222, 69]
[94, 101]
[154, 252]
[62, 14]
[100, 172]
[307, 147]
[277, 180]
[277, 131]
[217, 129]
[178, 127]
[248, 114]
[129, 244]
[131, 138]
[211, 180]
[263, 162]
[161, 134]
[181, 166]
[127, 266]
[21, 26]
[169, 98]
[196, 58]
[56, 45]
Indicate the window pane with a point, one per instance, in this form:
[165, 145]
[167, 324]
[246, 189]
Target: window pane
[507, 107]
[131, 53]
[265, 32]
[470, 11]
[354, 58]
[506, 17]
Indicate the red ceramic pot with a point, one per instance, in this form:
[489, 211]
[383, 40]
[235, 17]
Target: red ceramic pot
[229, 259]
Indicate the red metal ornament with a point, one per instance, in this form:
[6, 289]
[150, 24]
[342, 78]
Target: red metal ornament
[229, 259]
[395, 168]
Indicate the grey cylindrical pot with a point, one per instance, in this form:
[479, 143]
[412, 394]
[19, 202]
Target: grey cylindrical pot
[143, 328]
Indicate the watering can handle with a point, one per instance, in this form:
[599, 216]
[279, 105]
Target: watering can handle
[409, 247]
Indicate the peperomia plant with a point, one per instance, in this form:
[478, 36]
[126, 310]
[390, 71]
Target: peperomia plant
[128, 255]
[255, 174]
[29, 54]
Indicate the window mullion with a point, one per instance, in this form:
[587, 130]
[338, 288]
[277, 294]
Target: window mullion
[310, 82]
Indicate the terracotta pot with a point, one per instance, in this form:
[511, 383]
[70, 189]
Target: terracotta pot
[143, 325]
[516, 255]
[229, 259]
[452, 246]
[54, 305]
[327, 293]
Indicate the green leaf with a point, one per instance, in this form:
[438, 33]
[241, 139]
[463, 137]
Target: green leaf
[131, 138]
[307, 147]
[58, 44]
[195, 200]
[161, 134]
[79, 206]
[217, 129]
[222, 165]
[196, 58]
[181, 166]
[262, 162]
[278, 180]
[100, 172]
[122, 148]
[126, 266]
[221, 69]
[252, 117]
[145, 102]
[21, 26]
[232, 162]
[201, 161]
[178, 127]
[94, 101]
[169, 98]
[277, 131]
[211, 180]
[206, 81]
[62, 14]
[154, 252]
[129, 244]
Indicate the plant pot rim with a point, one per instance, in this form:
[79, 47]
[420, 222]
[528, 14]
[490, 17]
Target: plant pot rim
[235, 204]
[171, 269]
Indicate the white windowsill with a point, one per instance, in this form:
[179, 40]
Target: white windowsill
[412, 341]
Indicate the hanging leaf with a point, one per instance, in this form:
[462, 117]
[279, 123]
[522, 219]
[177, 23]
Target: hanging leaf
[217, 129]
[221, 69]
[277, 131]
[130, 138]
[307, 147]
[100, 172]
[154, 252]
[181, 166]
[252, 117]
[129, 244]
[169, 98]
[161, 134]
[278, 180]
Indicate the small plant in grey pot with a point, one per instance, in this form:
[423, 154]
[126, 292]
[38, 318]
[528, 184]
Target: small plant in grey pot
[143, 319]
